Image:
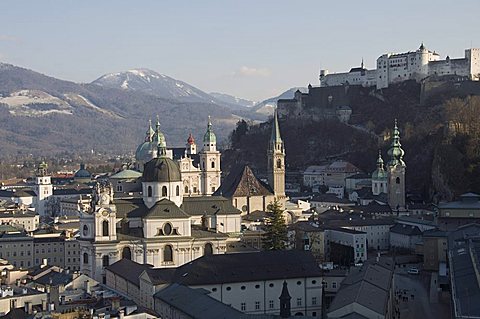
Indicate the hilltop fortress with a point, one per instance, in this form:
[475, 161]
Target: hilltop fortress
[398, 67]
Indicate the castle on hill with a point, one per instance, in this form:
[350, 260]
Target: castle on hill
[398, 67]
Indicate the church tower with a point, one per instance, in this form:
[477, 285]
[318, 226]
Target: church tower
[396, 172]
[210, 162]
[276, 161]
[43, 189]
[98, 233]
[379, 177]
[191, 148]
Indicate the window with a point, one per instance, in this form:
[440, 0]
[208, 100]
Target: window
[334, 285]
[257, 286]
[164, 191]
[208, 249]
[271, 304]
[85, 258]
[186, 189]
[126, 253]
[167, 229]
[257, 305]
[279, 163]
[178, 191]
[149, 191]
[105, 228]
[168, 254]
[271, 285]
[213, 164]
[243, 287]
[229, 288]
[397, 180]
[299, 282]
[314, 301]
[243, 306]
[299, 302]
[105, 261]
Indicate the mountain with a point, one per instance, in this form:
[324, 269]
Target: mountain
[232, 100]
[266, 107]
[151, 82]
[40, 114]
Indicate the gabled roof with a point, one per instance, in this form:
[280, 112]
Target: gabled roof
[242, 182]
[128, 270]
[126, 174]
[165, 208]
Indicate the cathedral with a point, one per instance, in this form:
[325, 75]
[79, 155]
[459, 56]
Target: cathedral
[174, 214]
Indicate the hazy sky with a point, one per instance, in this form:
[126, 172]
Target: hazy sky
[249, 48]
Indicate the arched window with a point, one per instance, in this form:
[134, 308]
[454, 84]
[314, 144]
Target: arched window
[168, 253]
[105, 228]
[85, 258]
[164, 191]
[178, 191]
[186, 189]
[208, 249]
[279, 163]
[213, 164]
[149, 191]
[397, 180]
[105, 261]
[126, 253]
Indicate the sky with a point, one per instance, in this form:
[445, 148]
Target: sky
[253, 49]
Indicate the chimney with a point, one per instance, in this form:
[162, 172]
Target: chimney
[44, 263]
[121, 314]
[86, 286]
[378, 257]
[44, 305]
[28, 307]
[115, 303]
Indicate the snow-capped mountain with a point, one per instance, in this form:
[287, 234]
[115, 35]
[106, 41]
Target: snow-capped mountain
[233, 100]
[151, 82]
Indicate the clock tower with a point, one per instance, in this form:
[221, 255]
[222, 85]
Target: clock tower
[98, 233]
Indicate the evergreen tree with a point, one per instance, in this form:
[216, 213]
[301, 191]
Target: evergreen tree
[275, 237]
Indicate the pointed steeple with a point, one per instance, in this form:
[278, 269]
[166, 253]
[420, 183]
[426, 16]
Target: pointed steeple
[285, 305]
[275, 137]
[209, 139]
[379, 173]
[380, 160]
[396, 152]
[159, 138]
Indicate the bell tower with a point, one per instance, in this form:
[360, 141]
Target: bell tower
[396, 172]
[43, 189]
[276, 161]
[210, 162]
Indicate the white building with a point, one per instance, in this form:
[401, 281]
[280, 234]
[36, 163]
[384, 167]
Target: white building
[349, 238]
[249, 282]
[413, 65]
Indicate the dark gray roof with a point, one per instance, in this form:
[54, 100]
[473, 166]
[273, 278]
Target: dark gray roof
[230, 268]
[135, 208]
[242, 182]
[165, 208]
[55, 278]
[22, 192]
[368, 286]
[196, 303]
[464, 260]
[407, 230]
[209, 205]
[128, 270]
[161, 169]
[72, 191]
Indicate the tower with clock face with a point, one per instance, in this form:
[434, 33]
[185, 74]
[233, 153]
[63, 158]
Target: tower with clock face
[98, 233]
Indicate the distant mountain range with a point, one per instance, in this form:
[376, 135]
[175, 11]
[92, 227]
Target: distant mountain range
[40, 114]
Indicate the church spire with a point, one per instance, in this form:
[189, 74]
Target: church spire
[160, 139]
[285, 305]
[396, 152]
[275, 137]
[380, 161]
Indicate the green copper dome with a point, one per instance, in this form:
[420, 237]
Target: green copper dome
[144, 151]
[396, 152]
[380, 172]
[209, 137]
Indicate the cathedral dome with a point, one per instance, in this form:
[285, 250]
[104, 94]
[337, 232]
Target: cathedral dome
[144, 151]
[162, 169]
[82, 172]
